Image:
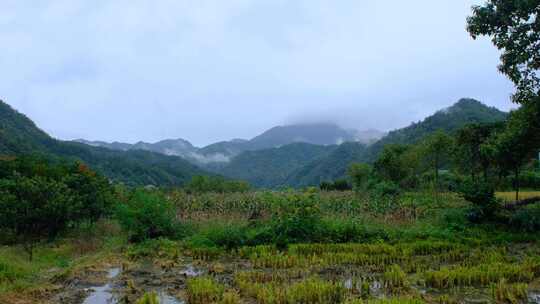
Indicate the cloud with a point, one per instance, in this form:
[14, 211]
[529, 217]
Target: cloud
[209, 70]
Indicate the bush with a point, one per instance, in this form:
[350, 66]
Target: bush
[39, 199]
[360, 175]
[201, 184]
[384, 196]
[228, 236]
[482, 196]
[527, 219]
[338, 185]
[297, 219]
[147, 215]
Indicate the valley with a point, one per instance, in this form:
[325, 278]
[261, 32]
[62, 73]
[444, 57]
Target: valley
[441, 210]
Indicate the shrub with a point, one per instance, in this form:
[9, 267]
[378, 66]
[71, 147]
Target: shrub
[338, 185]
[527, 219]
[360, 175]
[228, 236]
[201, 184]
[297, 219]
[147, 215]
[384, 196]
[482, 196]
[39, 200]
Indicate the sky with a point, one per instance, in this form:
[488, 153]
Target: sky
[212, 70]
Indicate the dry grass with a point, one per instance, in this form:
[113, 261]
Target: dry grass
[510, 196]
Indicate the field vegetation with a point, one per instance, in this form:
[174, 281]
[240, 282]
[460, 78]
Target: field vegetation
[428, 221]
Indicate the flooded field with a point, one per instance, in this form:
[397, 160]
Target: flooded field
[422, 272]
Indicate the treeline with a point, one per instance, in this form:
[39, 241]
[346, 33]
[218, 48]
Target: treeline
[475, 161]
[40, 200]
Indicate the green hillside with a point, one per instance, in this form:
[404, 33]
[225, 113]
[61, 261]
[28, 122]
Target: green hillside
[465, 111]
[327, 168]
[335, 164]
[271, 168]
[19, 135]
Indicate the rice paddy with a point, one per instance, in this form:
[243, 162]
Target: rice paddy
[362, 257]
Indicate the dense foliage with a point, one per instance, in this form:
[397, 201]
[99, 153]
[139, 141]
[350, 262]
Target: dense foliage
[40, 200]
[514, 28]
[146, 215]
[271, 168]
[19, 136]
[201, 183]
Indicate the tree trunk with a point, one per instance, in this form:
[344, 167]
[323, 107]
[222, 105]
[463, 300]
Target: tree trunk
[516, 183]
[437, 172]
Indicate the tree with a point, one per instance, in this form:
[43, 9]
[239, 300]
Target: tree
[34, 208]
[471, 151]
[359, 174]
[147, 215]
[516, 144]
[39, 199]
[435, 150]
[514, 28]
[398, 164]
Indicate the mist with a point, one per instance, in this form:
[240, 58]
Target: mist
[215, 70]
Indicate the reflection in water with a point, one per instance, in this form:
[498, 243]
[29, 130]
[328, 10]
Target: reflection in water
[190, 271]
[100, 295]
[534, 298]
[103, 294]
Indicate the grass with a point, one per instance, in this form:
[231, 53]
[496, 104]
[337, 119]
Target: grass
[20, 278]
[503, 292]
[387, 256]
[204, 290]
[510, 196]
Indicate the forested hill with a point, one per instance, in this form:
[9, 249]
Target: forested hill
[328, 167]
[334, 165]
[19, 135]
[271, 168]
[463, 112]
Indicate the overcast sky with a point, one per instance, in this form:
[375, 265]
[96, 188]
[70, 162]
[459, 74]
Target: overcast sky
[209, 70]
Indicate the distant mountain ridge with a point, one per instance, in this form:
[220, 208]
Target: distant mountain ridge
[280, 157]
[333, 163]
[323, 134]
[19, 135]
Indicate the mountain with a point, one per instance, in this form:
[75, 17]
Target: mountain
[225, 149]
[317, 134]
[19, 135]
[367, 137]
[323, 134]
[335, 164]
[270, 168]
[328, 167]
[218, 154]
[463, 112]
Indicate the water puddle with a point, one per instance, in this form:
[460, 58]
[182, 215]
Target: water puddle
[534, 298]
[164, 298]
[103, 294]
[374, 286]
[113, 273]
[190, 271]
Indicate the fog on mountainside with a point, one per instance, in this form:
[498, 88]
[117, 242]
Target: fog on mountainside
[294, 155]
